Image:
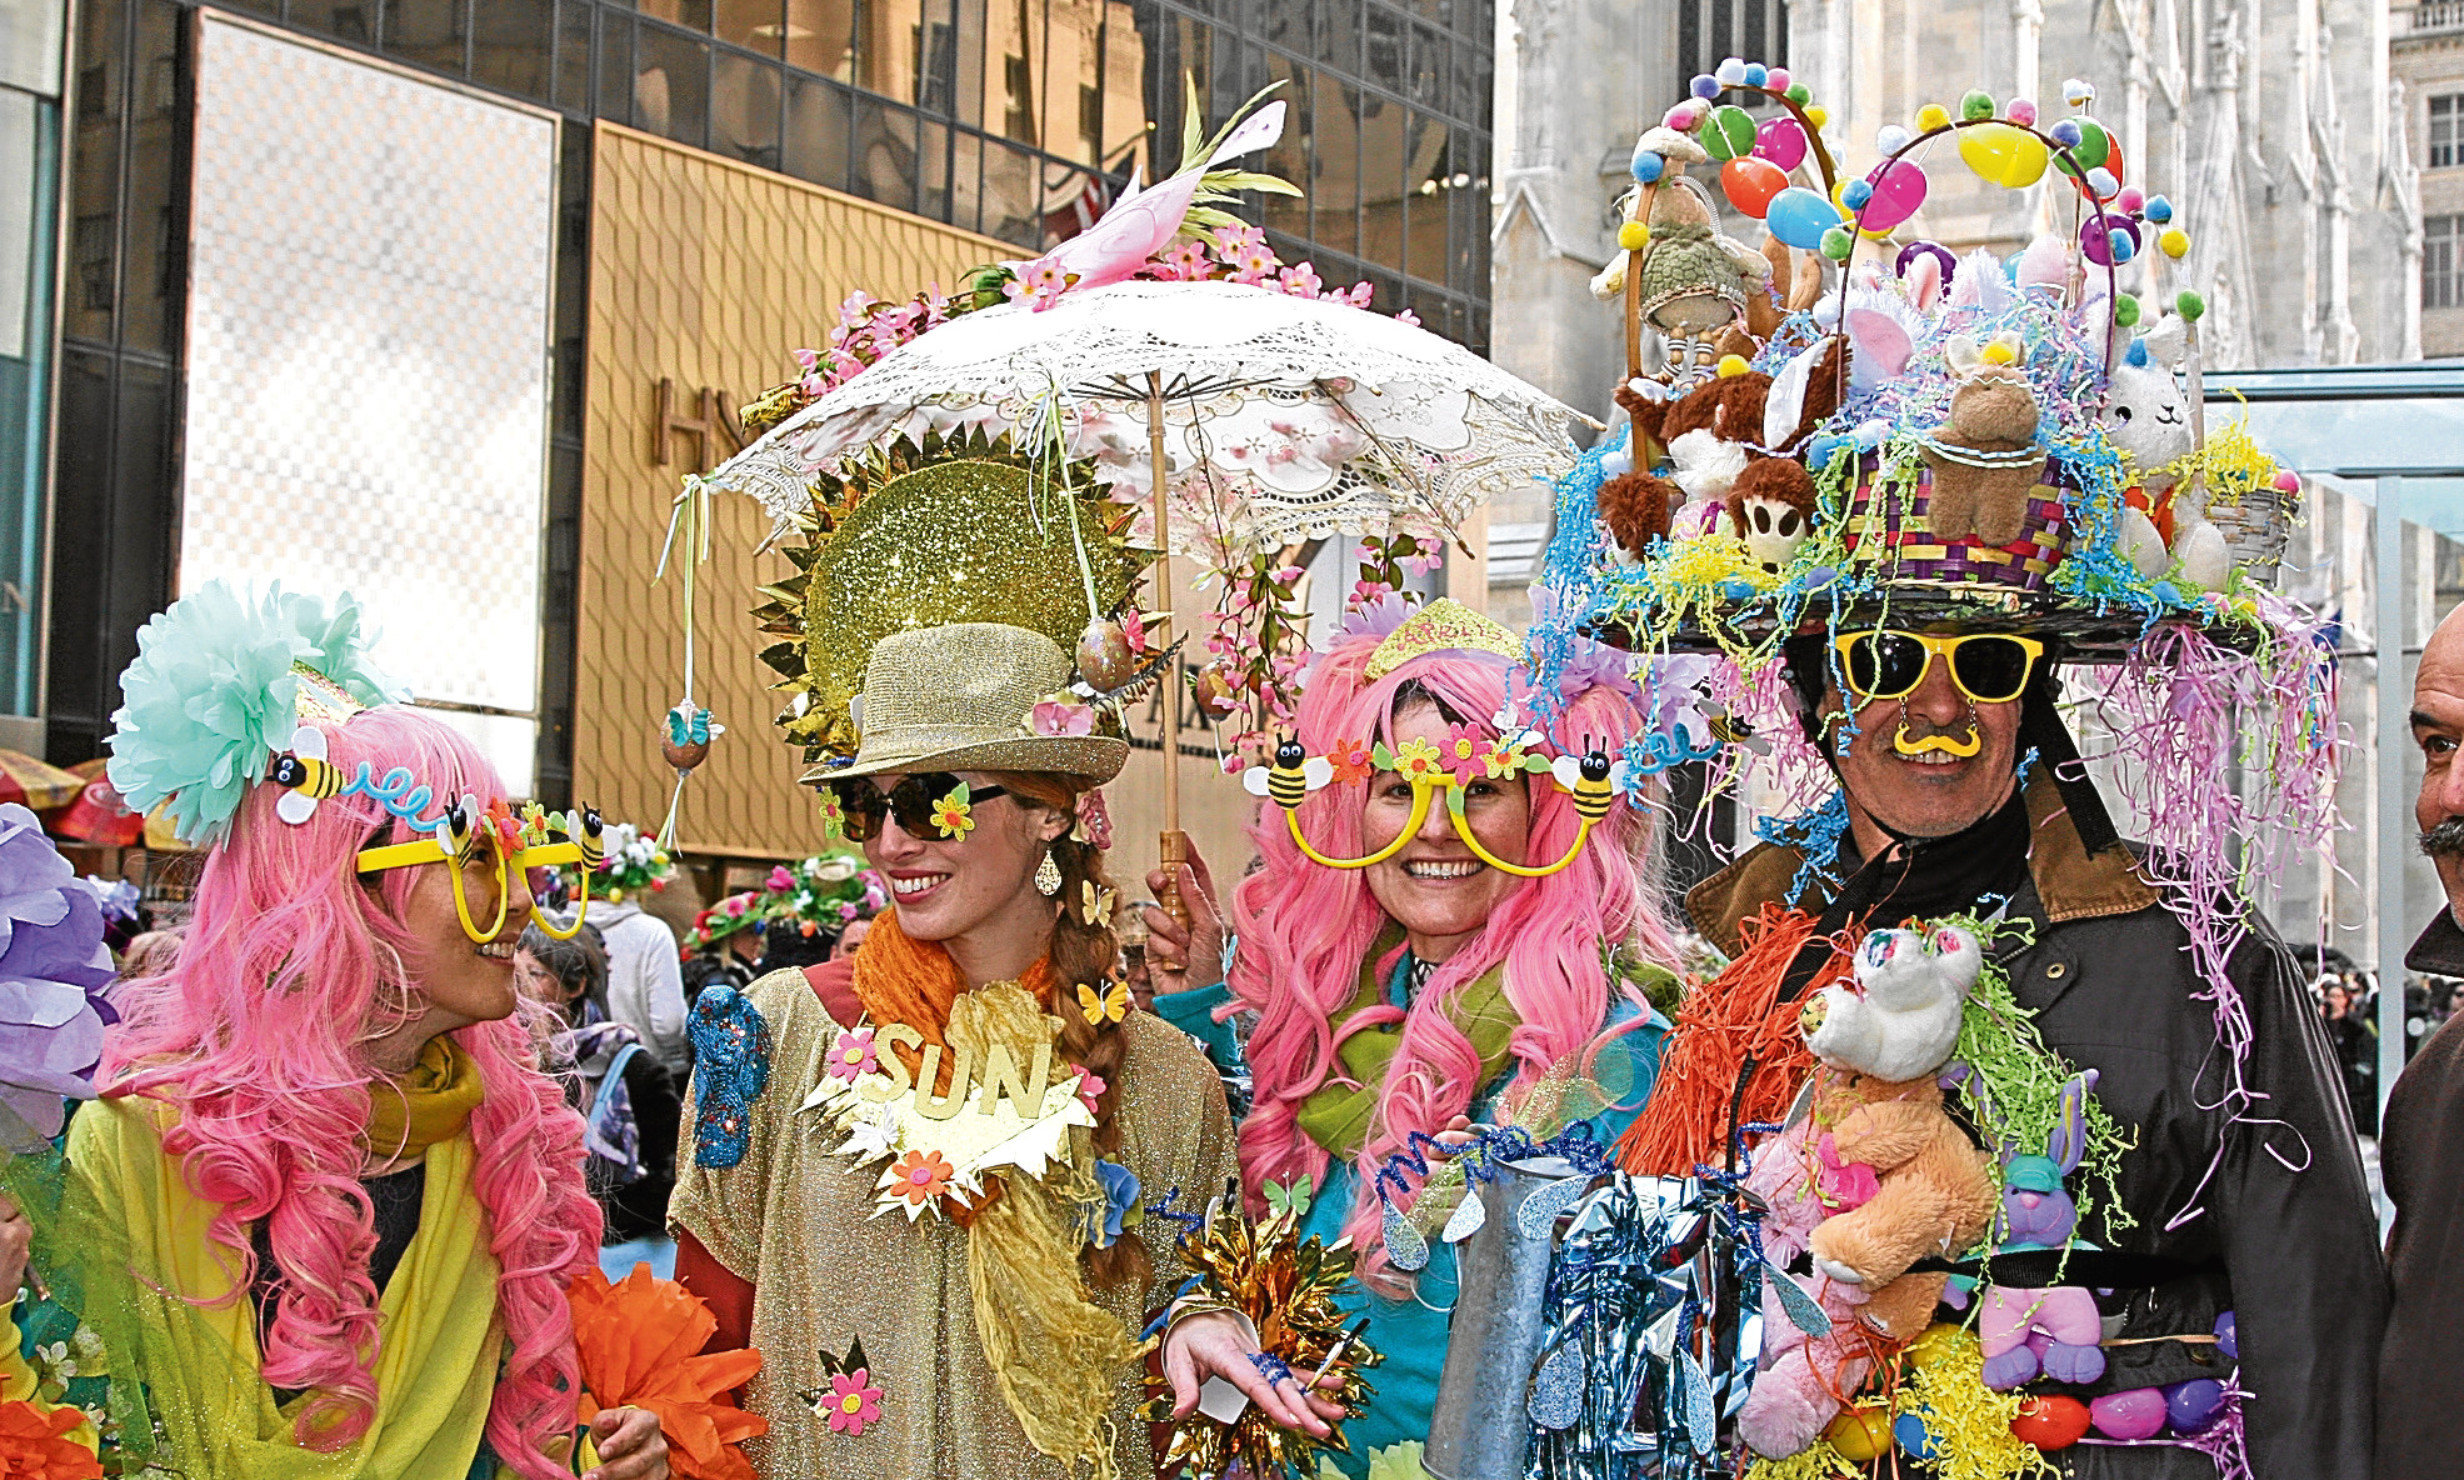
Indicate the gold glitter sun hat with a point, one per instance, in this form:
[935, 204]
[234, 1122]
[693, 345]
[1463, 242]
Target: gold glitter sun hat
[941, 586]
[959, 698]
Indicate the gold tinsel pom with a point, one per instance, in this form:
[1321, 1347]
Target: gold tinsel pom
[1287, 1286]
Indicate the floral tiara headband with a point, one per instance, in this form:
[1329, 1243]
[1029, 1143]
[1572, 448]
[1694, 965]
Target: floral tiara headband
[219, 676]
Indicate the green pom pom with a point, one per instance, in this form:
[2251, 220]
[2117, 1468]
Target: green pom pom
[2190, 306]
[1837, 243]
[2125, 311]
[214, 694]
[1800, 94]
[1977, 103]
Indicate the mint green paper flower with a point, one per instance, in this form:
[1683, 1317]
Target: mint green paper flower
[214, 693]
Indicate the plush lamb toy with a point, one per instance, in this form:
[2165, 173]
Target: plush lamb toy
[1878, 1169]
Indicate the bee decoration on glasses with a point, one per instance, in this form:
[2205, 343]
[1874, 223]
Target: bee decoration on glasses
[1294, 775]
[307, 773]
[1587, 776]
[589, 833]
[459, 834]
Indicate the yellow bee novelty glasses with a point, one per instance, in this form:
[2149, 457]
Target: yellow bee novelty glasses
[527, 841]
[1296, 773]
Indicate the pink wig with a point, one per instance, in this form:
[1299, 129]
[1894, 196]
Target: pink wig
[1306, 931]
[258, 1036]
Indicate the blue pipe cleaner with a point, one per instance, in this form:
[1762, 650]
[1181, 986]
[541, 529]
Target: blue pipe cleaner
[1817, 834]
[731, 1050]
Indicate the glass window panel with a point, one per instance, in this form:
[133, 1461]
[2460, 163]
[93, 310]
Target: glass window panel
[1072, 200]
[1124, 89]
[966, 179]
[1430, 66]
[1072, 75]
[30, 44]
[821, 37]
[429, 32]
[671, 86]
[1010, 197]
[1290, 156]
[1334, 169]
[1384, 163]
[351, 20]
[883, 167]
[744, 110]
[1428, 203]
[932, 169]
[2445, 114]
[1338, 34]
[151, 279]
[616, 66]
[818, 128]
[693, 15]
[573, 55]
[1386, 61]
[94, 174]
[1285, 23]
[755, 25]
[509, 45]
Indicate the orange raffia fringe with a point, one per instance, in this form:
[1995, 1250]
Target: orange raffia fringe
[640, 1344]
[1719, 1025]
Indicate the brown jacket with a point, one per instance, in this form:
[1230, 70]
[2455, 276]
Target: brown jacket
[2421, 1371]
[2294, 1254]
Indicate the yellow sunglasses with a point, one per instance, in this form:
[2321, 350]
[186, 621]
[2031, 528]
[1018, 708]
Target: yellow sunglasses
[456, 840]
[1988, 667]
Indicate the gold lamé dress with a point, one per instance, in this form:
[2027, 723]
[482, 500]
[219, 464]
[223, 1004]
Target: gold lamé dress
[791, 1219]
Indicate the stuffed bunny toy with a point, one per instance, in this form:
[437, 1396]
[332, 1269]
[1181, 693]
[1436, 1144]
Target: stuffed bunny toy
[2147, 419]
[1898, 1017]
[2052, 1331]
[1985, 457]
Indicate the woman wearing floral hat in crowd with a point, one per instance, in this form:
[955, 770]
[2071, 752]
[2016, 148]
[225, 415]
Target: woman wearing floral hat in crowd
[326, 1208]
[1432, 989]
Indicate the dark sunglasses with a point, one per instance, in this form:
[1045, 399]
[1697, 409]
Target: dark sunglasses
[917, 802]
[1988, 667]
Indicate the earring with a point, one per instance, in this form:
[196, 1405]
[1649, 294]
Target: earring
[1048, 876]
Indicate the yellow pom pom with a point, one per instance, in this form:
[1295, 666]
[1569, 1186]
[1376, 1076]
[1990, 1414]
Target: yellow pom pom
[2000, 352]
[1930, 117]
[1633, 236]
[1732, 365]
[2174, 242]
[1818, 117]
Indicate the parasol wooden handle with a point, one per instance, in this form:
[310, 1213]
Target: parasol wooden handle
[1172, 852]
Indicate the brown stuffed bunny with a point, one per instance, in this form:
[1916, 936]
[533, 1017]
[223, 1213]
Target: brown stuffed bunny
[1935, 1195]
[1985, 458]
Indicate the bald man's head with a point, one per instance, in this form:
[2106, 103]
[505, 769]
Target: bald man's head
[2438, 728]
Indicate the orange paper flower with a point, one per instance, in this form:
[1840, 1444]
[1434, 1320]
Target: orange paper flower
[920, 1176]
[639, 1343]
[34, 1444]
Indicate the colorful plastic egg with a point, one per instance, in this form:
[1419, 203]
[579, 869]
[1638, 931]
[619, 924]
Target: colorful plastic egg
[1799, 217]
[2138, 1413]
[1914, 1437]
[2168, 593]
[1976, 103]
[2173, 242]
[1941, 1341]
[1729, 132]
[1750, 183]
[1820, 451]
[1737, 588]
[1861, 1435]
[1940, 253]
[2010, 157]
[2228, 1335]
[1932, 116]
[2109, 240]
[2286, 481]
[2022, 112]
[1897, 190]
[2193, 1407]
[2094, 146]
[2051, 1421]
[1781, 141]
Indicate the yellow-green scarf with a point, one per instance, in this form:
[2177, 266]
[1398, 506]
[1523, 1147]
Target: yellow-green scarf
[428, 1105]
[1337, 1117]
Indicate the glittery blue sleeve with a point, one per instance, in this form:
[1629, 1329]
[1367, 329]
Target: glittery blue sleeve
[731, 1052]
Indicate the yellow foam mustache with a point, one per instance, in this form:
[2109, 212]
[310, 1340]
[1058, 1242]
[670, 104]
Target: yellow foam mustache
[1944, 743]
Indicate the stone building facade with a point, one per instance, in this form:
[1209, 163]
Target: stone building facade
[2426, 50]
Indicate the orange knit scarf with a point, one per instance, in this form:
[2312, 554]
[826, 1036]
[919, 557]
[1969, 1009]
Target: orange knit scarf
[902, 980]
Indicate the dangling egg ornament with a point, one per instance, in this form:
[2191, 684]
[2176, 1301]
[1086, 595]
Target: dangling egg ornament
[1211, 686]
[1104, 658]
[684, 743]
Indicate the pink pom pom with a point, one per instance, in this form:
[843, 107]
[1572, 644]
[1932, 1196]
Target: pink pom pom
[2022, 112]
[1680, 118]
[2287, 481]
[1779, 79]
[2130, 201]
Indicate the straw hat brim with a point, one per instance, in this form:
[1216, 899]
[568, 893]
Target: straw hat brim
[1094, 758]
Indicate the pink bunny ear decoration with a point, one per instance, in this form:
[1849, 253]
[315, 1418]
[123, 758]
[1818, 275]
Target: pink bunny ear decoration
[1882, 347]
[1980, 283]
[1923, 282]
[2045, 264]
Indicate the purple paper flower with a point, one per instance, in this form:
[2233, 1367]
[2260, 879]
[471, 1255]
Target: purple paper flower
[53, 969]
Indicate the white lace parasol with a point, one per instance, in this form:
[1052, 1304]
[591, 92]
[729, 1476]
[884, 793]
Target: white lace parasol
[1286, 418]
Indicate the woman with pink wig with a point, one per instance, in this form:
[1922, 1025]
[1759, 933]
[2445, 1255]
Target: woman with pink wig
[326, 1204]
[1428, 990]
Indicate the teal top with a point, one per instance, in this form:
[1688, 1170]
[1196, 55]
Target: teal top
[1193, 1012]
[1412, 1333]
